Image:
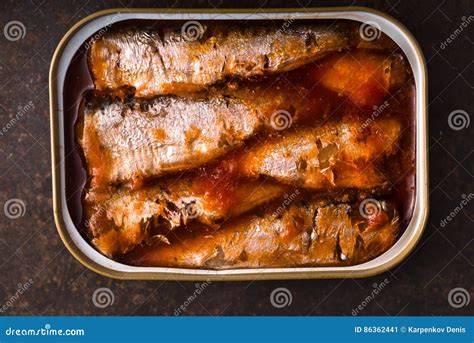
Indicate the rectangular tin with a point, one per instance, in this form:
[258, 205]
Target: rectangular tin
[95, 261]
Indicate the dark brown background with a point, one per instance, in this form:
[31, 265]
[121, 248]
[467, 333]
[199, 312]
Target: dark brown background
[30, 247]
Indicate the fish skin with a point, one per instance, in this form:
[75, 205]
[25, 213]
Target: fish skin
[123, 143]
[335, 155]
[311, 234]
[162, 61]
[127, 218]
[120, 223]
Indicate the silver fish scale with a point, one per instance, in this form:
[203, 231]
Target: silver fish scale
[173, 132]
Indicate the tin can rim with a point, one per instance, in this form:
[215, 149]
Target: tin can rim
[396, 254]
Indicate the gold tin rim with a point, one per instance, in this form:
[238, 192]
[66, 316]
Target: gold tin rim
[420, 213]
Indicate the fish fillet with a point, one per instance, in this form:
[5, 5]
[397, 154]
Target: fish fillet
[168, 61]
[126, 143]
[336, 155]
[130, 217]
[311, 234]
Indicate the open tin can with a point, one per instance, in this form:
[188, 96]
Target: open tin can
[64, 173]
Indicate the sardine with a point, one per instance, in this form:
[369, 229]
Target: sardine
[127, 218]
[170, 60]
[127, 143]
[305, 234]
[332, 156]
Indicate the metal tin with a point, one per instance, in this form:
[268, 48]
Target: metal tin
[95, 261]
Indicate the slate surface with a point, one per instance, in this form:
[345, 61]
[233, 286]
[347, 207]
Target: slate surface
[31, 250]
